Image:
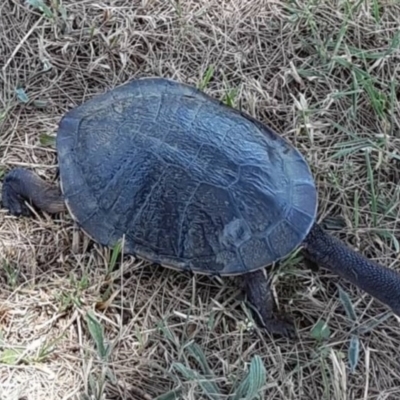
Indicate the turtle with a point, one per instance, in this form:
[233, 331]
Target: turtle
[190, 183]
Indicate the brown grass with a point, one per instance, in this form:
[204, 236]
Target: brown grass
[324, 74]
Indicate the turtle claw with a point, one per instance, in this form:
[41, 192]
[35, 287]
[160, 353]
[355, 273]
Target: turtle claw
[13, 201]
[261, 301]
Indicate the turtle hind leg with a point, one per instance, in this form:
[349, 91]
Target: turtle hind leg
[259, 295]
[21, 185]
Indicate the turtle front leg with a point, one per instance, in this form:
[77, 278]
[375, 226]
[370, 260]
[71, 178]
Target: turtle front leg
[21, 185]
[260, 297]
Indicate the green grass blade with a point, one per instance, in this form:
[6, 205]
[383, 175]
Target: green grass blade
[321, 331]
[97, 333]
[347, 304]
[254, 381]
[175, 394]
[116, 251]
[47, 140]
[371, 325]
[206, 78]
[196, 351]
[21, 95]
[42, 7]
[370, 172]
[209, 388]
[354, 352]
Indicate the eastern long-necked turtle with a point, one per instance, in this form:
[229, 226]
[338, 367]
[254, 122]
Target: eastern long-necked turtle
[191, 184]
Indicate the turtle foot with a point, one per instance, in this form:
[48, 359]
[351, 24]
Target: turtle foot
[12, 199]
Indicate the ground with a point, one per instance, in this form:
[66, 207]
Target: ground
[76, 322]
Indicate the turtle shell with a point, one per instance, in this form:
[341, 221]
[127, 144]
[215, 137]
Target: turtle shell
[184, 180]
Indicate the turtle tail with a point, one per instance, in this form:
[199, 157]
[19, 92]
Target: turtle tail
[377, 280]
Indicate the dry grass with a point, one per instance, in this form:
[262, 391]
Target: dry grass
[325, 74]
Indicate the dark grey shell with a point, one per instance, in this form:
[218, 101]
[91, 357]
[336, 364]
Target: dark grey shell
[189, 182]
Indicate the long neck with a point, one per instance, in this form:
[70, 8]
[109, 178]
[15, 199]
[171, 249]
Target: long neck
[379, 281]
